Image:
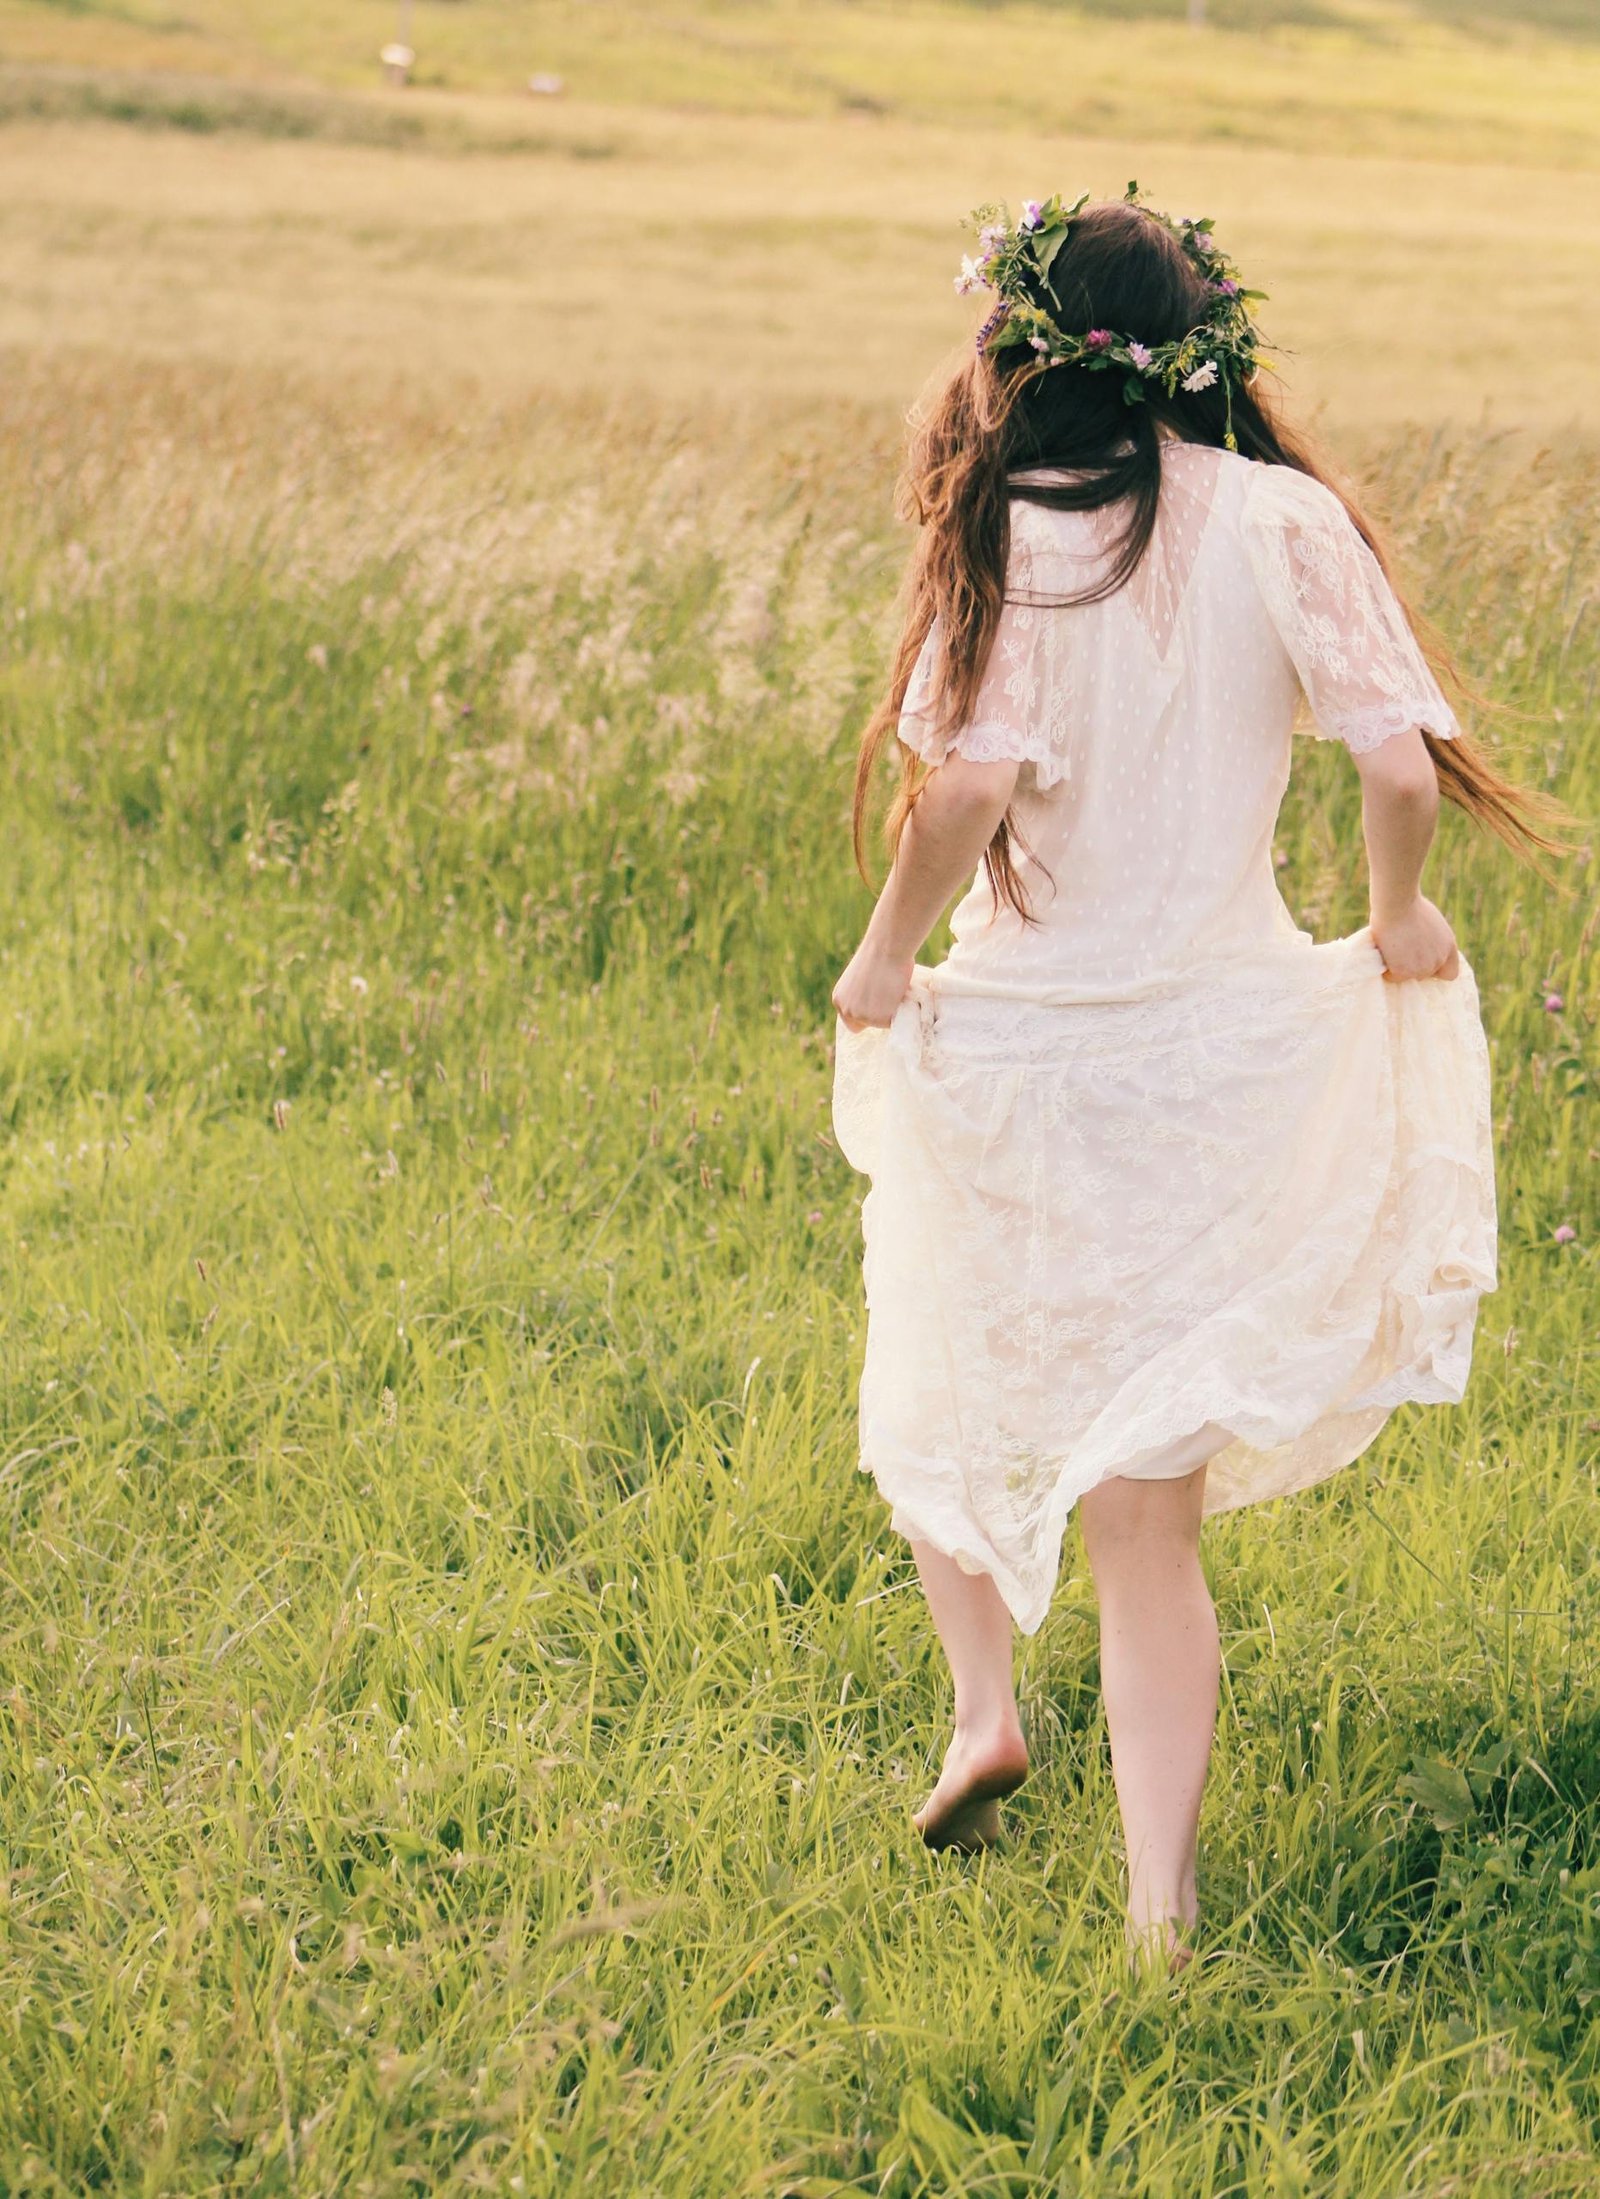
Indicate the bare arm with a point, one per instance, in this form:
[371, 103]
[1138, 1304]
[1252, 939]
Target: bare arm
[941, 847]
[1399, 808]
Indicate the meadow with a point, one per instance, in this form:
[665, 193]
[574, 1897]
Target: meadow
[461, 1704]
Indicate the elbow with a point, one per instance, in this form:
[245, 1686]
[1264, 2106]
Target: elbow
[973, 790]
[1401, 772]
[1413, 790]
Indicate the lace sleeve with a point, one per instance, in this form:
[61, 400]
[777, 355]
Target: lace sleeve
[1016, 713]
[1360, 667]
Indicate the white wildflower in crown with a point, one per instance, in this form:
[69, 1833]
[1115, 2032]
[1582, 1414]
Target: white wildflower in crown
[1014, 261]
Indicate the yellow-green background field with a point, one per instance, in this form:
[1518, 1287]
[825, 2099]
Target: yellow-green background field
[460, 1705]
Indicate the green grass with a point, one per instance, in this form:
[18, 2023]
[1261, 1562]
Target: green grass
[463, 1705]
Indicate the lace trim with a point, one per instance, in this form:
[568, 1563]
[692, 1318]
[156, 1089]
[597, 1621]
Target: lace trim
[1361, 730]
[990, 741]
[1368, 728]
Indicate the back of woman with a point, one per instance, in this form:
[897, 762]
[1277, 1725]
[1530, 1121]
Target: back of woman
[1171, 1204]
[1154, 726]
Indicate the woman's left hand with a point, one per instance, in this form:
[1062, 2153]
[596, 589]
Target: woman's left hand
[871, 989]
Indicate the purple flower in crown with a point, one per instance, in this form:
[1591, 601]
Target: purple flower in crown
[1040, 343]
[1201, 242]
[1228, 287]
[1032, 215]
[991, 237]
[991, 324]
[1099, 339]
[1140, 355]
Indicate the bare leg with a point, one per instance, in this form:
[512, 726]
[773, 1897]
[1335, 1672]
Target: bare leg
[987, 1756]
[1159, 1671]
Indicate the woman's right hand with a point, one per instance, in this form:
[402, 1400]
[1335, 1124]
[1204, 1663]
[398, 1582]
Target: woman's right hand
[1416, 941]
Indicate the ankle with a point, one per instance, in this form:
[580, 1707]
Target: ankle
[1149, 1908]
[986, 1722]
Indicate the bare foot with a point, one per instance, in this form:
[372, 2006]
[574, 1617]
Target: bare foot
[1162, 1940]
[979, 1767]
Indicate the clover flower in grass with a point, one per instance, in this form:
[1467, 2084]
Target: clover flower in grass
[1565, 1234]
[1553, 1004]
[1202, 377]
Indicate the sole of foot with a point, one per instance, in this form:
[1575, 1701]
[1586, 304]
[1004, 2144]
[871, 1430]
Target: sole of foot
[971, 1821]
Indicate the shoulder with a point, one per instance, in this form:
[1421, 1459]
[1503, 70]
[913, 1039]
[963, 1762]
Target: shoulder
[1282, 496]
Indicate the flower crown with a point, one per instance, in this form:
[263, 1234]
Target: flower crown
[1015, 263]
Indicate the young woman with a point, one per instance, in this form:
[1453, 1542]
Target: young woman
[1170, 1205]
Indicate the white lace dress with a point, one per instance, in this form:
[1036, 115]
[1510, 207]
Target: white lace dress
[1166, 1179]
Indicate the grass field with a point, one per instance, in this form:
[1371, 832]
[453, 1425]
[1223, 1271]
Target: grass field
[462, 1706]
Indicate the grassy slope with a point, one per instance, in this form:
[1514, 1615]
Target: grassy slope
[766, 199]
[464, 1705]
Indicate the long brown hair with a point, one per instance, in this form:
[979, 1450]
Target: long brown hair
[1002, 412]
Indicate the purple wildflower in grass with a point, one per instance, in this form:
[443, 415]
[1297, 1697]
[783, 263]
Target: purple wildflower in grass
[1565, 1234]
[1553, 1004]
[1099, 339]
